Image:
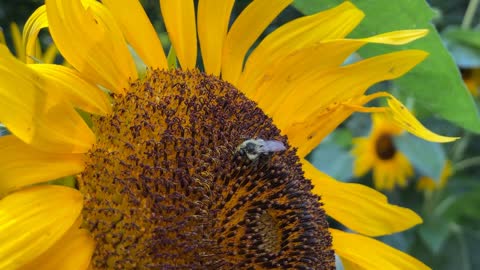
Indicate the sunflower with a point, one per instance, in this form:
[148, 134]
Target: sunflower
[471, 78]
[37, 55]
[378, 152]
[428, 184]
[161, 183]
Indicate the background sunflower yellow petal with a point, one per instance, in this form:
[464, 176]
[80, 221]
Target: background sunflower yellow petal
[79, 92]
[426, 183]
[90, 40]
[22, 165]
[72, 252]
[34, 219]
[37, 114]
[179, 18]
[17, 41]
[2, 37]
[304, 32]
[367, 253]
[358, 207]
[212, 24]
[363, 158]
[138, 31]
[50, 53]
[383, 125]
[244, 32]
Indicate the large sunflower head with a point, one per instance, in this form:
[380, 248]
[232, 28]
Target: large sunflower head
[184, 169]
[378, 152]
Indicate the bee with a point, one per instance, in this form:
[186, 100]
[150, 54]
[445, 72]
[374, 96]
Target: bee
[253, 149]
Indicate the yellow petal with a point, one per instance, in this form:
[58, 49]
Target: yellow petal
[307, 134]
[307, 62]
[50, 54]
[300, 33]
[32, 110]
[17, 41]
[405, 119]
[2, 37]
[426, 183]
[179, 18]
[324, 87]
[33, 220]
[22, 165]
[399, 37]
[72, 252]
[36, 22]
[90, 40]
[367, 253]
[359, 207]
[38, 52]
[81, 93]
[244, 32]
[213, 19]
[138, 31]
[382, 125]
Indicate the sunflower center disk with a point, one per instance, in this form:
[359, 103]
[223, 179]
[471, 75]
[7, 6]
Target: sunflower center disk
[165, 187]
[385, 147]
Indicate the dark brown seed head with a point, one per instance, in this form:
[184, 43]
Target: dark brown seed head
[385, 147]
[165, 187]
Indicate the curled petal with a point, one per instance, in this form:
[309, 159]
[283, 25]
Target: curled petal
[87, 35]
[34, 111]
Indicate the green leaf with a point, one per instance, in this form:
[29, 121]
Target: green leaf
[464, 45]
[341, 137]
[68, 181]
[436, 83]
[466, 206]
[434, 232]
[172, 58]
[465, 56]
[468, 37]
[427, 157]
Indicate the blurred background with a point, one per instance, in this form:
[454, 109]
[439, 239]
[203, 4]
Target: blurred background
[441, 182]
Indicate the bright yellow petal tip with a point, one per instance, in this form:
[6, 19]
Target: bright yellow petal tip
[399, 114]
[367, 253]
[33, 220]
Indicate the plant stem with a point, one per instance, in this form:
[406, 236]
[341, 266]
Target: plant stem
[469, 14]
[469, 162]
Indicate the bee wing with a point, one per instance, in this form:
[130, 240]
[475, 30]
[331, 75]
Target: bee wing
[273, 146]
